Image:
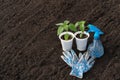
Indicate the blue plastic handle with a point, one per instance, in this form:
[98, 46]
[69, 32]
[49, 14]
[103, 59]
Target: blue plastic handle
[96, 30]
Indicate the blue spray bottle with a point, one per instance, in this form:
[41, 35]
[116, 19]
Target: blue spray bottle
[96, 48]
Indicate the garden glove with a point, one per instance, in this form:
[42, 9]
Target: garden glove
[70, 58]
[80, 64]
[84, 64]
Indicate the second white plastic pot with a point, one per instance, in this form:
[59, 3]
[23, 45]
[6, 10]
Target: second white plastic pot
[81, 43]
[66, 44]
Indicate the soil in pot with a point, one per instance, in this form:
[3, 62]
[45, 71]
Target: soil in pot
[69, 37]
[84, 36]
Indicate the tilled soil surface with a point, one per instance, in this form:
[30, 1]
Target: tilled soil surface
[30, 49]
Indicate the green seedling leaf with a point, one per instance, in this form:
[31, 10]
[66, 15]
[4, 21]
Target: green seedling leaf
[66, 22]
[62, 27]
[66, 36]
[82, 25]
[76, 24]
[72, 27]
[59, 24]
[81, 35]
[60, 30]
[65, 26]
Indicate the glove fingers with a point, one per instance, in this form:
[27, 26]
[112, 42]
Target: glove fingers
[74, 57]
[66, 60]
[80, 55]
[74, 54]
[68, 54]
[81, 59]
[87, 56]
[91, 60]
[84, 55]
[91, 64]
[74, 60]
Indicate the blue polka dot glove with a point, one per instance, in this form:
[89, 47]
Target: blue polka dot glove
[80, 64]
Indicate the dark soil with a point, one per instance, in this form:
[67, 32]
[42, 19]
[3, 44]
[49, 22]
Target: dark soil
[83, 36]
[69, 37]
[86, 28]
[31, 50]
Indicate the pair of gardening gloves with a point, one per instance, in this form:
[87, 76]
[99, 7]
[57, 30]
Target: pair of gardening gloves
[79, 64]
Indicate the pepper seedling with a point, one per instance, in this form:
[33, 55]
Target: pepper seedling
[81, 25]
[65, 26]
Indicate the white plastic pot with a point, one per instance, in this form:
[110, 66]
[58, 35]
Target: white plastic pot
[66, 44]
[81, 43]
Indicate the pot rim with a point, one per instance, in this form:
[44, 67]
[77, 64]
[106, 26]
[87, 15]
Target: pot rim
[70, 33]
[81, 32]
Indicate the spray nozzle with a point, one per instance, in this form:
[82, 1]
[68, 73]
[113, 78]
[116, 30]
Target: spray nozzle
[96, 30]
